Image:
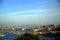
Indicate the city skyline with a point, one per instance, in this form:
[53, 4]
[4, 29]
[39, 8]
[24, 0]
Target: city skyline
[36, 12]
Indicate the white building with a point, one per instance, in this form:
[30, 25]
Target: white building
[23, 29]
[36, 30]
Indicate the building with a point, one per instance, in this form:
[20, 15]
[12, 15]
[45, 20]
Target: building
[42, 37]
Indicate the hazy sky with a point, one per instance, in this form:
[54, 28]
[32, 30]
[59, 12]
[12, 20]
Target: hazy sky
[19, 12]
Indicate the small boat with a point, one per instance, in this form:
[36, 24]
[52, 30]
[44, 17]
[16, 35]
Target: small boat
[1, 34]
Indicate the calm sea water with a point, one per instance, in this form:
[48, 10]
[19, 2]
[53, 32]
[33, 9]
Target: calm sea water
[8, 36]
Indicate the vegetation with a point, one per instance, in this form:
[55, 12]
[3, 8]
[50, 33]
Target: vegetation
[27, 37]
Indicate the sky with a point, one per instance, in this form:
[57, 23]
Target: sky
[26, 12]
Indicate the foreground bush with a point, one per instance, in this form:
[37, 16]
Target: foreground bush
[27, 37]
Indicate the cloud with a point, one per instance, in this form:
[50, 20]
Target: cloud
[26, 12]
[41, 12]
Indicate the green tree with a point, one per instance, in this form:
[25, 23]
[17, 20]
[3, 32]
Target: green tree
[27, 37]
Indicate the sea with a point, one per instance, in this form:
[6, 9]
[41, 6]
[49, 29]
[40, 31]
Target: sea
[8, 36]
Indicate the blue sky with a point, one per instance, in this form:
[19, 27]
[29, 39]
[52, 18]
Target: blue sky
[30, 12]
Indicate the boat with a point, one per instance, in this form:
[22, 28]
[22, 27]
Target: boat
[1, 34]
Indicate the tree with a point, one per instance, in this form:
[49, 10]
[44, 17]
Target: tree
[27, 37]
